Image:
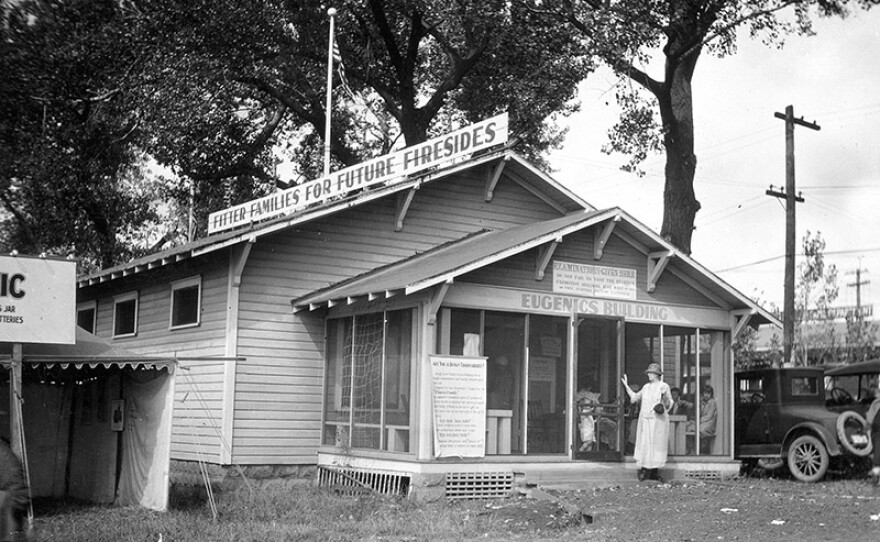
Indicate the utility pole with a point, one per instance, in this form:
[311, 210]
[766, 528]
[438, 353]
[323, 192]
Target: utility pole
[790, 200]
[858, 285]
[859, 318]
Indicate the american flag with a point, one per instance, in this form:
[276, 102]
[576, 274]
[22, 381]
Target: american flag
[340, 69]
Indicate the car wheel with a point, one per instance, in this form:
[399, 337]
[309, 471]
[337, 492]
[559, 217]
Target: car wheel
[854, 434]
[807, 458]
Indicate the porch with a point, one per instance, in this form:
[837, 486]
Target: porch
[498, 477]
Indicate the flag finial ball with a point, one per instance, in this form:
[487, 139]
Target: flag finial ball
[331, 12]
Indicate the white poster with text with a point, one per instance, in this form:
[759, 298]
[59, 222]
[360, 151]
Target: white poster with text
[37, 300]
[594, 280]
[459, 405]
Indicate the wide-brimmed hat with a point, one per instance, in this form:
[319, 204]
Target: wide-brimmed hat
[654, 368]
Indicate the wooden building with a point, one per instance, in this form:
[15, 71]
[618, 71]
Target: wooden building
[429, 333]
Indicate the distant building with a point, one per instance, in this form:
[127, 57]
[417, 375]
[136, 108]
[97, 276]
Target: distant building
[824, 343]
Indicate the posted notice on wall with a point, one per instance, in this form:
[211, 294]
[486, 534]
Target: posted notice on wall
[594, 280]
[37, 300]
[459, 405]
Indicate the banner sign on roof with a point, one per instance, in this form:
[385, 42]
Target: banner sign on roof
[407, 161]
[37, 300]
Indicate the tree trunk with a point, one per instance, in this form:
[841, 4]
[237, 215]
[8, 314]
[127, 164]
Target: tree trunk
[680, 204]
[413, 124]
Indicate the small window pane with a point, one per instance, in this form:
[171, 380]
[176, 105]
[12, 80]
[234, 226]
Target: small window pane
[124, 323]
[801, 386]
[85, 318]
[185, 306]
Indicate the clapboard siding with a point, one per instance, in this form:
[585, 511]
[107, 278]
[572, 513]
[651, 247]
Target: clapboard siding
[198, 397]
[154, 308]
[519, 271]
[257, 382]
[278, 398]
[198, 406]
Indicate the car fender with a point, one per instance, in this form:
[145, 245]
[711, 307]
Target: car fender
[829, 439]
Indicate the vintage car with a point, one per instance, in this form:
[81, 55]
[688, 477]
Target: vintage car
[793, 416]
[852, 386]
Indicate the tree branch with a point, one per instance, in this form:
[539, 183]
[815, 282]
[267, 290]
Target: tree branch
[22, 221]
[710, 37]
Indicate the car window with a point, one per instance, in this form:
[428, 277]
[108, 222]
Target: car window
[804, 385]
[750, 390]
[848, 383]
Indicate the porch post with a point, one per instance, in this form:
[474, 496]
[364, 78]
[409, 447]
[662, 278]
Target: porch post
[14, 404]
[425, 421]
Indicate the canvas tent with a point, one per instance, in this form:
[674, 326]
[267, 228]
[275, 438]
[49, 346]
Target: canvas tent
[96, 420]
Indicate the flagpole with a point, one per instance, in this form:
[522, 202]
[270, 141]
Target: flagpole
[332, 13]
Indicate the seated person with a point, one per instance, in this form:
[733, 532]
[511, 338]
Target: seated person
[708, 420]
[679, 407]
[587, 402]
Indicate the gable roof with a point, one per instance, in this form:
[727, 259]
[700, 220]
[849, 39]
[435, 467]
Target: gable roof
[445, 263]
[502, 161]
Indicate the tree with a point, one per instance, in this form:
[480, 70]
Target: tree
[815, 339]
[745, 345]
[861, 337]
[220, 90]
[228, 83]
[68, 158]
[657, 113]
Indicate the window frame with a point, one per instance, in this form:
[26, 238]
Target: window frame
[86, 306]
[336, 381]
[181, 284]
[124, 298]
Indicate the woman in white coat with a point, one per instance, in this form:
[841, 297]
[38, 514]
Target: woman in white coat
[652, 432]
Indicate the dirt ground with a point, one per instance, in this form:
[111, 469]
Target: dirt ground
[765, 509]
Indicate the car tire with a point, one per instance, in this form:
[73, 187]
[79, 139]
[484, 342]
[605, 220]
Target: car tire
[849, 425]
[808, 459]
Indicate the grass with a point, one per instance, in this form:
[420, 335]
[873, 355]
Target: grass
[270, 514]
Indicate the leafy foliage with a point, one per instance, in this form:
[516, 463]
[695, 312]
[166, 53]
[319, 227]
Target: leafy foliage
[221, 91]
[815, 338]
[68, 141]
[627, 34]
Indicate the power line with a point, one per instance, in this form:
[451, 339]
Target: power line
[777, 257]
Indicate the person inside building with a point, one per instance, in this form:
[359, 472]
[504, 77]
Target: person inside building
[652, 430]
[708, 419]
[587, 402]
[679, 407]
[500, 383]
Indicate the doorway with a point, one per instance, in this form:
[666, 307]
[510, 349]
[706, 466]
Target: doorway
[599, 417]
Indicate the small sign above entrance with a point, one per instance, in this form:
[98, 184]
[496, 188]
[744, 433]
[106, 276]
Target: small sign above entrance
[594, 280]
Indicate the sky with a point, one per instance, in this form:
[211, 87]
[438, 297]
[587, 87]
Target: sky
[831, 79]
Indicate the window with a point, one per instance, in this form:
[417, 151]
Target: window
[86, 315]
[367, 397]
[804, 386]
[125, 309]
[186, 302]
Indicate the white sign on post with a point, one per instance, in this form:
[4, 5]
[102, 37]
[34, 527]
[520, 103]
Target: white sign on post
[37, 300]
[396, 165]
[459, 401]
